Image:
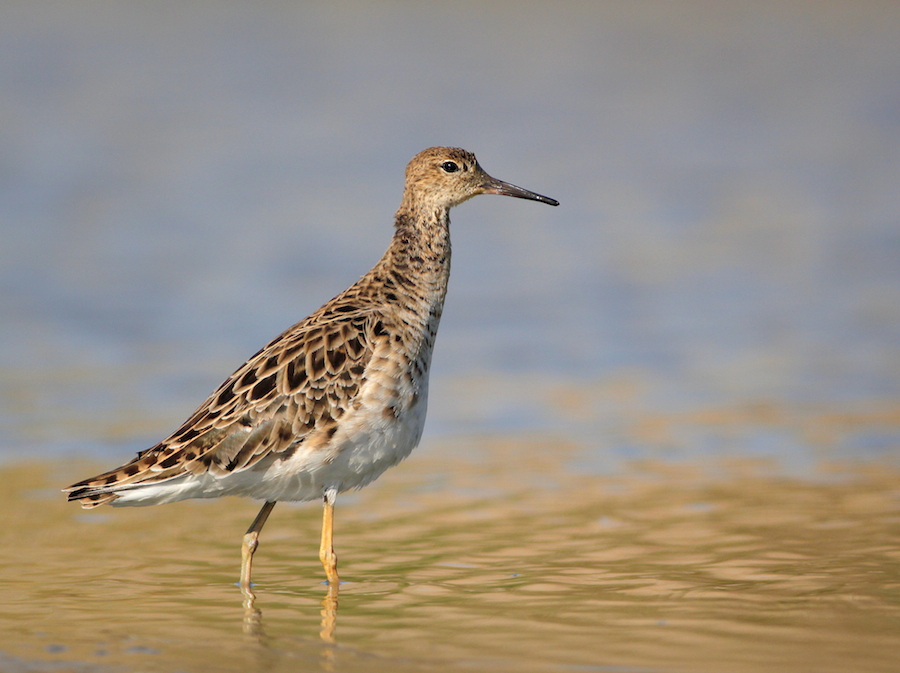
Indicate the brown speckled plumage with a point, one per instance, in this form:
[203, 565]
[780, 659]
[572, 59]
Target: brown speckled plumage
[337, 398]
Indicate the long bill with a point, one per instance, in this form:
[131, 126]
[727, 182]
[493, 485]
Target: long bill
[494, 186]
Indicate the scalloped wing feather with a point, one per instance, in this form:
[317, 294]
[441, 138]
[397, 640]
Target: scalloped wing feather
[302, 382]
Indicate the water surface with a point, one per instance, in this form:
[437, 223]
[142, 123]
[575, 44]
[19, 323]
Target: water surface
[659, 568]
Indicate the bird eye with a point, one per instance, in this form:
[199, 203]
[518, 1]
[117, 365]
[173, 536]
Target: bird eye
[450, 167]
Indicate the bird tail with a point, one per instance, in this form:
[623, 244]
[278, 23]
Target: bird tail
[95, 491]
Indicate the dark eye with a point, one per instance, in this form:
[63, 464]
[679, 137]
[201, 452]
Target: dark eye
[450, 167]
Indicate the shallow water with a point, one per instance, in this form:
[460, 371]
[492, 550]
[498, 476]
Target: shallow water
[664, 422]
[657, 568]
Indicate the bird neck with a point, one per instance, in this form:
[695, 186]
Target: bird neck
[418, 259]
[423, 239]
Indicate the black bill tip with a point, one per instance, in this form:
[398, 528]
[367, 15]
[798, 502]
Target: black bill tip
[505, 189]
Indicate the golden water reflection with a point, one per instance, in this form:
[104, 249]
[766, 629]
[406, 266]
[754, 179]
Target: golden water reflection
[663, 567]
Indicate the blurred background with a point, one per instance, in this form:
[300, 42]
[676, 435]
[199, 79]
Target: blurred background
[181, 181]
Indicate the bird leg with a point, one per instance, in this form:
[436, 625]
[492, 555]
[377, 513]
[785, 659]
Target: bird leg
[251, 542]
[326, 549]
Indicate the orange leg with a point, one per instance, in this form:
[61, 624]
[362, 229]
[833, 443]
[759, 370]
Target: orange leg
[326, 549]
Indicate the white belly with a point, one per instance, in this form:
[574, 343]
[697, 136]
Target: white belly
[365, 445]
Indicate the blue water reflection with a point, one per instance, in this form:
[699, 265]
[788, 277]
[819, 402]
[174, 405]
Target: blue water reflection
[178, 185]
